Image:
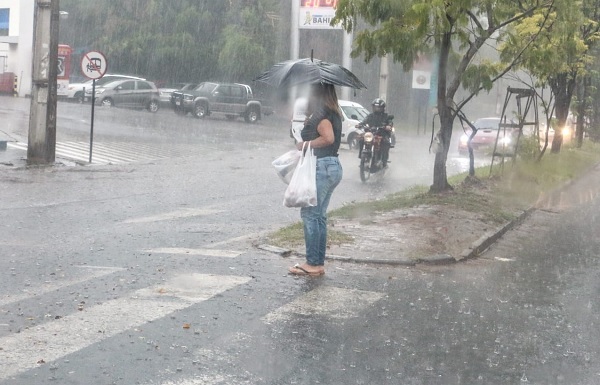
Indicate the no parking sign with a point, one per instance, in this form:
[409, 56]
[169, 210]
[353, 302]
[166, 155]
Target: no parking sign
[93, 65]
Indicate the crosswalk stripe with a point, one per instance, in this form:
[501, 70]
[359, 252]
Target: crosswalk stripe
[332, 302]
[206, 252]
[86, 273]
[58, 338]
[186, 213]
[111, 152]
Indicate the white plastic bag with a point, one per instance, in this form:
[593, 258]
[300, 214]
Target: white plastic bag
[286, 164]
[302, 190]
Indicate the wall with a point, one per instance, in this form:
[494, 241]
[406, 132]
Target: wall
[19, 42]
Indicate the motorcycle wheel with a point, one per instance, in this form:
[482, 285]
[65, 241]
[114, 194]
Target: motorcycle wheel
[365, 168]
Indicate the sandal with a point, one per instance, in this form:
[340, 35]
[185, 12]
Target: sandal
[299, 270]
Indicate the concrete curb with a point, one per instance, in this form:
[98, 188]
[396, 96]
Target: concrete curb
[473, 251]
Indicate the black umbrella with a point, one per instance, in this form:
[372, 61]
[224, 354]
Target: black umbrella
[308, 71]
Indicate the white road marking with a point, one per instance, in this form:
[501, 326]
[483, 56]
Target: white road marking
[58, 338]
[109, 152]
[328, 301]
[207, 252]
[88, 273]
[185, 213]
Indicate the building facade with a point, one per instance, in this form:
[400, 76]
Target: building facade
[16, 41]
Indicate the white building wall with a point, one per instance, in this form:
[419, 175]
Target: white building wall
[19, 42]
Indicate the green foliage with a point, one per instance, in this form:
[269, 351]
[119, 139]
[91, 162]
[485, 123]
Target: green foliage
[529, 148]
[175, 40]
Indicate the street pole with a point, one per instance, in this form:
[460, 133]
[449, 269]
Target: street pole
[42, 119]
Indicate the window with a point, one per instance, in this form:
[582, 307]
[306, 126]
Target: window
[4, 19]
[130, 85]
[143, 86]
[237, 92]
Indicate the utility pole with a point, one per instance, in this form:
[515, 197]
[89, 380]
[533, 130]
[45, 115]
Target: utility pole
[42, 119]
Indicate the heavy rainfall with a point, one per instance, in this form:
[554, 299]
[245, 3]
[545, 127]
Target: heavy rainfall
[144, 239]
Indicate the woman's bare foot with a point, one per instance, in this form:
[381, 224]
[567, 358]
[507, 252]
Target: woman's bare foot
[306, 269]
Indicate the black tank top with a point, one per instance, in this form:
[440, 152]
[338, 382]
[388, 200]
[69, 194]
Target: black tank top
[309, 132]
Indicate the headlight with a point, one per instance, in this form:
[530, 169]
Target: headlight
[505, 141]
[566, 132]
[368, 137]
[101, 90]
[464, 138]
[188, 97]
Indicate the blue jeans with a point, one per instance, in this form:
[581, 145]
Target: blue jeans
[329, 175]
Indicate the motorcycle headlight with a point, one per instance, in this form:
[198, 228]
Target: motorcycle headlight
[368, 137]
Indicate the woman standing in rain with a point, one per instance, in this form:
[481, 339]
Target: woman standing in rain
[323, 129]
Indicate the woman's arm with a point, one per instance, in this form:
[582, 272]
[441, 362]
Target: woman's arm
[325, 138]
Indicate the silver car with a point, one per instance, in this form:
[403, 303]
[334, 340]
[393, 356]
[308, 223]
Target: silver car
[128, 93]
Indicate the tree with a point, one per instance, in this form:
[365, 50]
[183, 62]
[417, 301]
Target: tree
[560, 52]
[250, 40]
[454, 31]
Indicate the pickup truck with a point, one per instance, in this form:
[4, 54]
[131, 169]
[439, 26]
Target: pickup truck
[230, 99]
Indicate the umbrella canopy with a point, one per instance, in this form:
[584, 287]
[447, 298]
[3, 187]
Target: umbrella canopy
[308, 71]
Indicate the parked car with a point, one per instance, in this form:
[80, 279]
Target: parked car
[76, 91]
[487, 133]
[352, 114]
[127, 93]
[167, 91]
[232, 100]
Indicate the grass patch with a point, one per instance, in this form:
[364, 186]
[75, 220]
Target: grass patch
[293, 236]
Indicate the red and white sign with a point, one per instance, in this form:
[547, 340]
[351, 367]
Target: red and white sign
[93, 65]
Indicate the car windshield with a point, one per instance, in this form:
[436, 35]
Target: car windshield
[360, 112]
[206, 87]
[487, 124]
[111, 84]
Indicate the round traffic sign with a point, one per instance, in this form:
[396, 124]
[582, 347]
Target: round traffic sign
[93, 65]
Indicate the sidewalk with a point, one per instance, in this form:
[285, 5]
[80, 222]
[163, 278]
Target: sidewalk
[438, 234]
[11, 157]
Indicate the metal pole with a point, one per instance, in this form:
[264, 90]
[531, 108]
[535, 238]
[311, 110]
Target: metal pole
[92, 120]
[41, 145]
[347, 60]
[295, 32]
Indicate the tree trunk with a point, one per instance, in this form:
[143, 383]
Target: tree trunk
[563, 86]
[582, 95]
[440, 177]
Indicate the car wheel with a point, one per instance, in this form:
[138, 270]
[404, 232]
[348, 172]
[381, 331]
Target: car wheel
[79, 97]
[200, 110]
[108, 102]
[353, 141]
[153, 106]
[252, 115]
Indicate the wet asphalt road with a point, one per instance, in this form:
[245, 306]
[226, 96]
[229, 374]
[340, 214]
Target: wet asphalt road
[144, 273]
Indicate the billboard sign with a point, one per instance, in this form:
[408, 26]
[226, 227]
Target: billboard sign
[317, 14]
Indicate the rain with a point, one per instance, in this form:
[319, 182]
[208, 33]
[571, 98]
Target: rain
[149, 264]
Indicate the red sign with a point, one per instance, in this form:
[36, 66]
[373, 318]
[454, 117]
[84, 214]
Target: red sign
[318, 3]
[64, 61]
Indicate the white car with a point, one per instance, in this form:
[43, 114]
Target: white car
[76, 91]
[352, 114]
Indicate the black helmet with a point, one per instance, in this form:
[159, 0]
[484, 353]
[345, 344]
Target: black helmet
[378, 105]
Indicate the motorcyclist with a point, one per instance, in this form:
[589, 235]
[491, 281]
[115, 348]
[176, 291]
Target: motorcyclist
[378, 118]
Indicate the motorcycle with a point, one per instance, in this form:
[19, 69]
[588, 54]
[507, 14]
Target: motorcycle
[371, 159]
